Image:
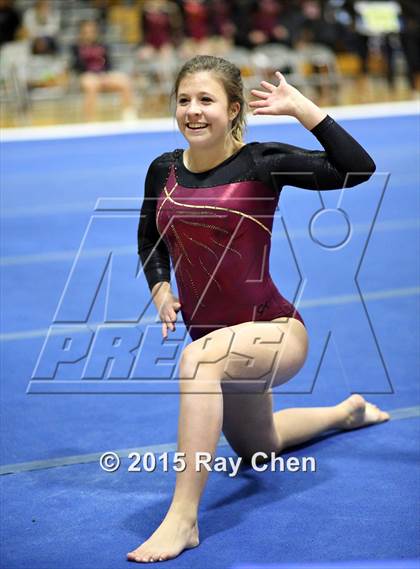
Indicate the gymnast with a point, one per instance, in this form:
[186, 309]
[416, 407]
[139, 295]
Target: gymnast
[210, 210]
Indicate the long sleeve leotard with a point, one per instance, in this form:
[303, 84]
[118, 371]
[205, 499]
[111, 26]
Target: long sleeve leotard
[215, 226]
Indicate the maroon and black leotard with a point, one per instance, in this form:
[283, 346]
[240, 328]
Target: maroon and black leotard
[216, 225]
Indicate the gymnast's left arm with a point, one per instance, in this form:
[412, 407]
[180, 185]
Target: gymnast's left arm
[342, 163]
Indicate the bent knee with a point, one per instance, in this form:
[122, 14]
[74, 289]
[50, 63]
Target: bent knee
[201, 356]
[290, 363]
[89, 84]
[296, 353]
[117, 80]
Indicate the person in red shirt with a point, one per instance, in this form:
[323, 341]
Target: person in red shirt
[161, 33]
[92, 60]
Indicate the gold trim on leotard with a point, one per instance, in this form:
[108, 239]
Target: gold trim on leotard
[166, 192]
[227, 247]
[202, 245]
[208, 225]
[168, 197]
[181, 245]
[212, 277]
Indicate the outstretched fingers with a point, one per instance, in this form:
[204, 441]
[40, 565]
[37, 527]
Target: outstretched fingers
[256, 104]
[261, 94]
[280, 77]
[269, 86]
[261, 108]
[263, 99]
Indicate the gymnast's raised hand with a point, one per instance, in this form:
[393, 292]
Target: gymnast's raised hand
[284, 99]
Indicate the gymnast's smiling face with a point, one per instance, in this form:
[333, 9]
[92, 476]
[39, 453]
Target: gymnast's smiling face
[202, 111]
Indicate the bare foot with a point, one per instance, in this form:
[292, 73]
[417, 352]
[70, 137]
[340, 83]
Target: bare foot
[171, 538]
[359, 413]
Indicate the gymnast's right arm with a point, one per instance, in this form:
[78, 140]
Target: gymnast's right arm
[152, 250]
[343, 163]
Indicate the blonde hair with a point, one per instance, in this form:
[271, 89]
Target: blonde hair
[230, 77]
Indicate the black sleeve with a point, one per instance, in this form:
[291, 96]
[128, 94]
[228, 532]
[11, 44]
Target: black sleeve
[342, 163]
[152, 250]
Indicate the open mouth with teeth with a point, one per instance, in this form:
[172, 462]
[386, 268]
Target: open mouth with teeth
[196, 125]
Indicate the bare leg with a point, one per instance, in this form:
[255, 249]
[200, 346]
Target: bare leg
[199, 429]
[119, 82]
[248, 419]
[296, 426]
[90, 85]
[207, 363]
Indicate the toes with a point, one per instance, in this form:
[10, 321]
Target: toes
[146, 556]
[152, 557]
[133, 556]
[138, 557]
[380, 415]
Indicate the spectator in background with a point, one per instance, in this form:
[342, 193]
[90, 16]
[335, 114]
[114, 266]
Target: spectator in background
[42, 25]
[10, 21]
[91, 59]
[292, 19]
[197, 28]
[318, 34]
[196, 19]
[355, 37]
[316, 28]
[241, 17]
[351, 40]
[222, 23]
[161, 29]
[208, 27]
[266, 24]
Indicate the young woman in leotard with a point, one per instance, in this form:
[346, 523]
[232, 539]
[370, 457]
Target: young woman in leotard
[210, 209]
